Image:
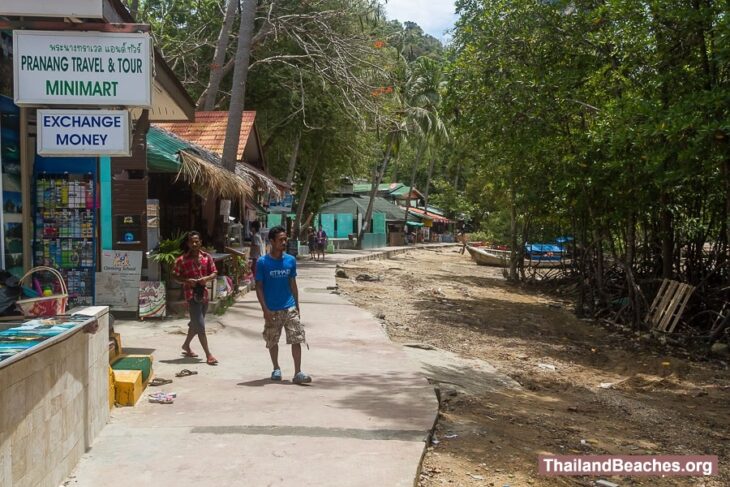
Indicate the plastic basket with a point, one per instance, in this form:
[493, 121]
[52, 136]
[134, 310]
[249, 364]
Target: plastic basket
[44, 305]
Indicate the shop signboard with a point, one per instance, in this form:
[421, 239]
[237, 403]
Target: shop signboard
[87, 9]
[83, 132]
[82, 68]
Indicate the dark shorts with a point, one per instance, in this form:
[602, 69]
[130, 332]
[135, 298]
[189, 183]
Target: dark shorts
[320, 247]
[197, 315]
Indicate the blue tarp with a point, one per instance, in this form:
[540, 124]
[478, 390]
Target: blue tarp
[536, 248]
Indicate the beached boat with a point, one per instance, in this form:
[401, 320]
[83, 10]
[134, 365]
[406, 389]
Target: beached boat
[497, 258]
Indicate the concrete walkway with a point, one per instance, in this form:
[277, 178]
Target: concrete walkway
[363, 420]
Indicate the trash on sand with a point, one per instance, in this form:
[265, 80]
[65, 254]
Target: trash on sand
[452, 435]
[547, 367]
[606, 385]
[368, 277]
[475, 477]
[605, 483]
[435, 441]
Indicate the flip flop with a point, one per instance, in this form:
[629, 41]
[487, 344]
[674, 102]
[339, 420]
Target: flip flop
[159, 381]
[186, 372]
[162, 398]
[212, 361]
[190, 354]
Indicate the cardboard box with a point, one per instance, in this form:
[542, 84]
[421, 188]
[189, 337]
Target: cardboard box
[127, 386]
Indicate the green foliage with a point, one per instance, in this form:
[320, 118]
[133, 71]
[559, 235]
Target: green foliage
[602, 120]
[169, 250]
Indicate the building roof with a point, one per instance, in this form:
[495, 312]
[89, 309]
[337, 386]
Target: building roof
[393, 190]
[359, 204]
[209, 130]
[421, 213]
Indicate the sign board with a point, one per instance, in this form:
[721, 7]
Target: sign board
[152, 299]
[82, 68]
[82, 133]
[117, 285]
[127, 229]
[122, 262]
[90, 9]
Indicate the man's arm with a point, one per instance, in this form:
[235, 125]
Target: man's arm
[295, 293]
[176, 275]
[262, 301]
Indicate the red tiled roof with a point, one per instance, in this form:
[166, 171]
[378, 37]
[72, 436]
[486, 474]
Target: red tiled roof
[209, 130]
[430, 215]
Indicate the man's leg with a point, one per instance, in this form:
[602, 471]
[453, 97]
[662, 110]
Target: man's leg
[274, 353]
[204, 343]
[296, 353]
[197, 318]
[189, 338]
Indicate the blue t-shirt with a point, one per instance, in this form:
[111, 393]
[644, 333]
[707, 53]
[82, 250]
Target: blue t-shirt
[275, 275]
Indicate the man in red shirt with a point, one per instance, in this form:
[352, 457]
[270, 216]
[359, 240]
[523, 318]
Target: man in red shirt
[193, 269]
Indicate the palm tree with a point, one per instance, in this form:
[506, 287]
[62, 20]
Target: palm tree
[416, 116]
[424, 88]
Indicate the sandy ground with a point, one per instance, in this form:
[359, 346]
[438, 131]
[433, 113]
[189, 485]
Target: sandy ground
[584, 389]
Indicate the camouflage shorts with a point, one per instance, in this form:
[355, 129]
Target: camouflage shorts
[287, 319]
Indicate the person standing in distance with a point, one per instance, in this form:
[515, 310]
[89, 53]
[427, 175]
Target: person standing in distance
[194, 268]
[257, 245]
[277, 292]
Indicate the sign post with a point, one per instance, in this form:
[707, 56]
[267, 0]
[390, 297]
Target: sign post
[88, 132]
[82, 68]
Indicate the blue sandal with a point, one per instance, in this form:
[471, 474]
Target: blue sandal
[276, 374]
[301, 378]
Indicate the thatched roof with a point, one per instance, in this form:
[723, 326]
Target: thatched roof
[201, 168]
[205, 176]
[261, 180]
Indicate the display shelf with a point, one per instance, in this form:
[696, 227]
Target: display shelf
[64, 226]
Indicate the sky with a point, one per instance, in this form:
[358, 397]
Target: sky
[434, 16]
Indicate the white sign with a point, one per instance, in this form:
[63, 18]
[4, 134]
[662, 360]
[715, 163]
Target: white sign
[117, 285]
[79, 133]
[122, 262]
[91, 9]
[82, 68]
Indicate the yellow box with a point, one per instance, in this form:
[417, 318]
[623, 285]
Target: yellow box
[114, 354]
[112, 393]
[127, 386]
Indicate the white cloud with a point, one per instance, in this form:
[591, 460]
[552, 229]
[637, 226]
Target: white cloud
[434, 16]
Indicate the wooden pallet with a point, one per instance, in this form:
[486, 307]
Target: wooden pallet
[668, 305]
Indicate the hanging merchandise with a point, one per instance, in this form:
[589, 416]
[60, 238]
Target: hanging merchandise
[65, 223]
[11, 211]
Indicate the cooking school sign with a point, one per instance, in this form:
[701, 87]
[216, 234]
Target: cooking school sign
[82, 68]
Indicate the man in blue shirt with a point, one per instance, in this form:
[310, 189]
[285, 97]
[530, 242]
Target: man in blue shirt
[276, 289]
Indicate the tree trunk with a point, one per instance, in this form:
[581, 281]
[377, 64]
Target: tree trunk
[513, 234]
[293, 160]
[416, 163]
[428, 183]
[216, 69]
[666, 236]
[303, 199]
[374, 191]
[134, 8]
[238, 92]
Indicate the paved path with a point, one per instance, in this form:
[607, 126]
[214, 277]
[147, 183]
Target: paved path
[362, 421]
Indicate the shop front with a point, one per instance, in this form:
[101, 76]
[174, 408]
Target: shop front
[74, 113]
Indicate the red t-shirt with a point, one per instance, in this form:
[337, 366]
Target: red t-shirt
[187, 267]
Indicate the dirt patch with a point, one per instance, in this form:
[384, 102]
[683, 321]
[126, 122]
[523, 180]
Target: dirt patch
[585, 389]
